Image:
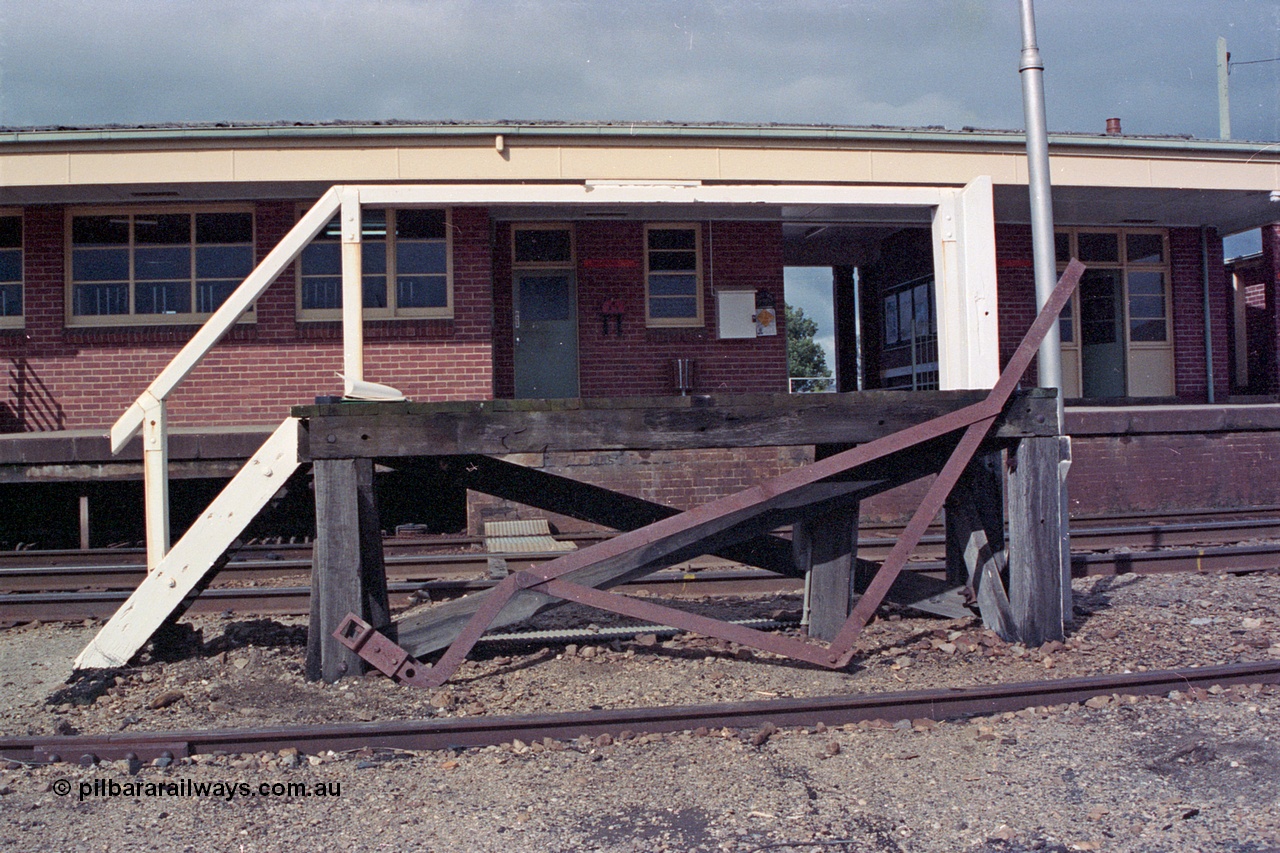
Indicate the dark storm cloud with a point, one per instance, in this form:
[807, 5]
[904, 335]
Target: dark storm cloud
[900, 62]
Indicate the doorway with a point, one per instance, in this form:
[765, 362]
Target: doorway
[545, 300]
[1102, 349]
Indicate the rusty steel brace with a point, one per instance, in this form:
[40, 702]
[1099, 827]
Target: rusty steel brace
[975, 420]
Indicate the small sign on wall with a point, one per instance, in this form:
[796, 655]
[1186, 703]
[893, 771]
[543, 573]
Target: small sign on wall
[736, 313]
[766, 322]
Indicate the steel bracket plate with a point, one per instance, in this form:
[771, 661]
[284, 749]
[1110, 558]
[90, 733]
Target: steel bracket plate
[379, 651]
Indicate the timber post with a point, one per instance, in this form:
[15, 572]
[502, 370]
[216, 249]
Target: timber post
[974, 519]
[348, 574]
[1036, 572]
[1064, 512]
[977, 553]
[826, 551]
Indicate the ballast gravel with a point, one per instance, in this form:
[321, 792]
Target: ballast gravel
[1194, 770]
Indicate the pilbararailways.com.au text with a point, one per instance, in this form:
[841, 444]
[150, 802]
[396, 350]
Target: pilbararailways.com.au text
[188, 788]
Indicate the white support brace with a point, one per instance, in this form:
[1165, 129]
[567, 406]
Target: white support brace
[647, 192]
[155, 477]
[352, 287]
[196, 553]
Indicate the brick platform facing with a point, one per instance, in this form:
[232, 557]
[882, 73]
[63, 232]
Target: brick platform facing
[680, 479]
[1109, 476]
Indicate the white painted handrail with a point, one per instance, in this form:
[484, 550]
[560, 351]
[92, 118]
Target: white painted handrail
[149, 409]
[225, 317]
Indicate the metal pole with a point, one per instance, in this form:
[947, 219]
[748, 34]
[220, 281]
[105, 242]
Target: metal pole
[1046, 275]
[1224, 97]
[1046, 272]
[1208, 315]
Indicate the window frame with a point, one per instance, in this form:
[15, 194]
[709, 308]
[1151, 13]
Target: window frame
[132, 318]
[392, 311]
[1125, 267]
[699, 297]
[571, 263]
[18, 321]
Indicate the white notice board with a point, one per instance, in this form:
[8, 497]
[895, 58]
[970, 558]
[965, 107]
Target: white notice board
[735, 310]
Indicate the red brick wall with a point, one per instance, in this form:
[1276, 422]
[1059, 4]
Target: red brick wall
[1187, 284]
[1171, 472]
[504, 365]
[735, 255]
[1271, 273]
[1016, 300]
[85, 378]
[1015, 291]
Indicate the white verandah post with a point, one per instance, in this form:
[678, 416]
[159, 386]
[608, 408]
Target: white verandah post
[352, 288]
[155, 478]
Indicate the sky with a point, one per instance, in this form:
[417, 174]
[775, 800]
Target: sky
[862, 62]
[949, 63]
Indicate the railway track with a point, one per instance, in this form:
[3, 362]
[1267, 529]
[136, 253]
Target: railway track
[485, 731]
[274, 578]
[1141, 531]
[451, 574]
[273, 588]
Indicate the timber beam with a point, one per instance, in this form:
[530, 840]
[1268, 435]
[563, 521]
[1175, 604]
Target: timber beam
[501, 427]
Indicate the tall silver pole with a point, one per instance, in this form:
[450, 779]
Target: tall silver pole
[1224, 97]
[1046, 269]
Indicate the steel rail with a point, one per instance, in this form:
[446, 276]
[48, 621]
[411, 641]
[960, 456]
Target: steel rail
[467, 732]
[53, 571]
[442, 567]
[281, 600]
[295, 600]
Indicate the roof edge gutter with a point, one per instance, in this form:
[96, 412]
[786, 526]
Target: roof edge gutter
[798, 133]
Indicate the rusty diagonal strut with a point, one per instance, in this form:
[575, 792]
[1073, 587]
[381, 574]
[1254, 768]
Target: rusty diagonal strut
[976, 421]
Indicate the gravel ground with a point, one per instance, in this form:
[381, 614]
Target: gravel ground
[1198, 770]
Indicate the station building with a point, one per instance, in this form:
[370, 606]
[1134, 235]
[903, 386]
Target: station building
[544, 260]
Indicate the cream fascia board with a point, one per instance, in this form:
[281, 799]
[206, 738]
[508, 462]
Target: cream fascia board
[887, 158]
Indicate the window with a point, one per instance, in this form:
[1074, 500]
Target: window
[10, 272]
[405, 267]
[542, 245]
[909, 356]
[1116, 335]
[168, 266]
[673, 275]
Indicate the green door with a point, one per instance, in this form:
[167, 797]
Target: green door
[546, 334]
[1102, 346]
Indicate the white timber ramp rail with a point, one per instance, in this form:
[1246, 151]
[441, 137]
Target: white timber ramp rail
[964, 239]
[172, 575]
[197, 553]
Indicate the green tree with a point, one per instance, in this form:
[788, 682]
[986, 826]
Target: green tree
[804, 356]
